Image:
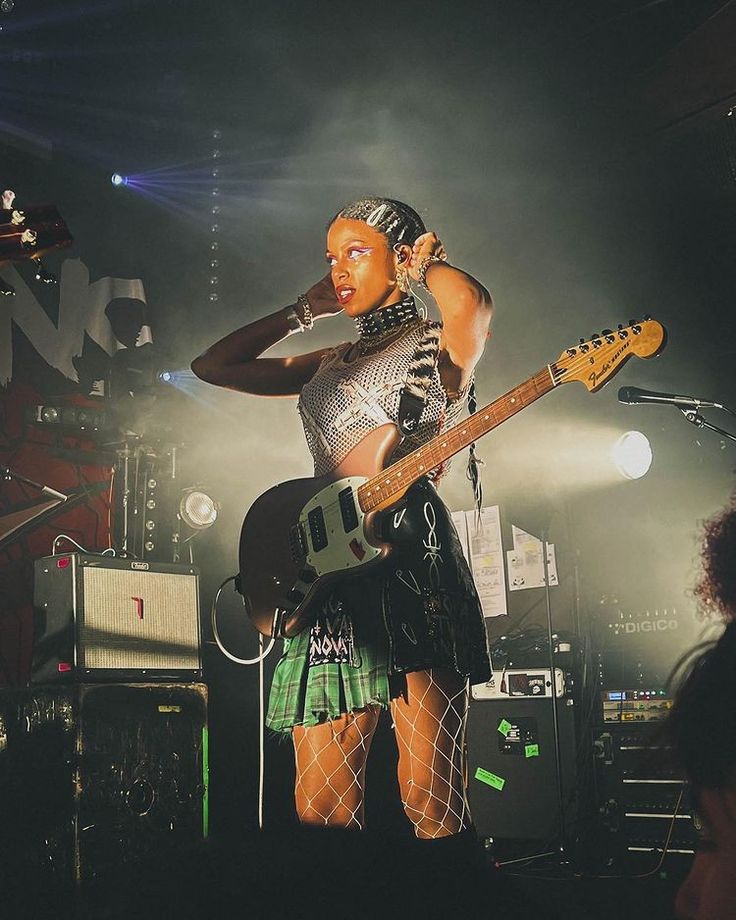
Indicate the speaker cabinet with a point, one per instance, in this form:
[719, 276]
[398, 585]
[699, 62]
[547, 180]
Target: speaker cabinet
[102, 618]
[97, 780]
[512, 780]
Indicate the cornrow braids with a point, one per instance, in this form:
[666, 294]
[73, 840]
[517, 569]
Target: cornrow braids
[397, 221]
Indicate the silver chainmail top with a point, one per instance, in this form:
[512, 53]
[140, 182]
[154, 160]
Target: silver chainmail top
[344, 400]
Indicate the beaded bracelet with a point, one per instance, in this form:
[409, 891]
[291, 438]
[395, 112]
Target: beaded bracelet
[422, 273]
[300, 323]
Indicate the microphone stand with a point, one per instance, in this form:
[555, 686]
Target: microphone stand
[562, 823]
[695, 418]
[7, 474]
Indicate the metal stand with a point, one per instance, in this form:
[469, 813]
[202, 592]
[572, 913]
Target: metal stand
[7, 473]
[555, 717]
[695, 418]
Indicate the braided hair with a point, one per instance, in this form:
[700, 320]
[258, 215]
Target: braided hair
[395, 220]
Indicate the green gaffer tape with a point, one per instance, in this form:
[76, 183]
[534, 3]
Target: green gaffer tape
[531, 750]
[504, 727]
[485, 776]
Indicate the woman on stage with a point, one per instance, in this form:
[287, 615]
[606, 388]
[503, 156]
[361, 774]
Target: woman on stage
[410, 638]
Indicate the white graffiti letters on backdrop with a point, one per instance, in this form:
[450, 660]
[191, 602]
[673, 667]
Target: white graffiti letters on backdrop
[81, 309]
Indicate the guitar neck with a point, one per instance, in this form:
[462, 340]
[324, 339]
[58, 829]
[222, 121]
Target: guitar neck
[395, 479]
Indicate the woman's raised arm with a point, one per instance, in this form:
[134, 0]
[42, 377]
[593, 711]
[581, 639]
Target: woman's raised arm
[465, 305]
[235, 361]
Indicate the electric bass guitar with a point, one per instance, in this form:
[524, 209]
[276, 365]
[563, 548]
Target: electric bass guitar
[302, 534]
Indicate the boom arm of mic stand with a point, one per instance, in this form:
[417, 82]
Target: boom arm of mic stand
[695, 418]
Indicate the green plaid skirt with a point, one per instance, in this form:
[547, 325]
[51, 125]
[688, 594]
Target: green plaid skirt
[304, 693]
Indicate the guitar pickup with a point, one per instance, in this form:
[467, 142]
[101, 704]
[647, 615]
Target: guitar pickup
[297, 542]
[317, 529]
[348, 510]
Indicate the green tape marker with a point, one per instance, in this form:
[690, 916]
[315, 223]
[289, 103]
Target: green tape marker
[531, 750]
[504, 727]
[490, 779]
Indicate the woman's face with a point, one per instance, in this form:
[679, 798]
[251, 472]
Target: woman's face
[709, 891]
[362, 265]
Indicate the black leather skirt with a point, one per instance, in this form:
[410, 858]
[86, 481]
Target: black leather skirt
[430, 606]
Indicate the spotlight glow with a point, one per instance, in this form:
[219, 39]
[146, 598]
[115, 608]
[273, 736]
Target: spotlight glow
[165, 376]
[197, 509]
[632, 455]
[117, 179]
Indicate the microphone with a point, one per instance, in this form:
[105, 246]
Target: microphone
[633, 395]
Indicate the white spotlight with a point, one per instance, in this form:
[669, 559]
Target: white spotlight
[632, 455]
[117, 179]
[197, 509]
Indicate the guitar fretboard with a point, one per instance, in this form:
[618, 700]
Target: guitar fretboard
[396, 478]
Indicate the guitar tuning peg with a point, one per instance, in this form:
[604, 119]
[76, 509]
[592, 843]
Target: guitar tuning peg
[582, 341]
[647, 317]
[632, 322]
[620, 326]
[606, 331]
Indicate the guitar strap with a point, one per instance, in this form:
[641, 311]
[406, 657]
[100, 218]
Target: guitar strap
[415, 393]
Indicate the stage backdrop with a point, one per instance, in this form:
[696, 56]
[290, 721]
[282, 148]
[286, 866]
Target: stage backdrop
[56, 342]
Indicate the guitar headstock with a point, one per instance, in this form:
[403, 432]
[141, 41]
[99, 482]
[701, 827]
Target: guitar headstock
[28, 233]
[595, 361]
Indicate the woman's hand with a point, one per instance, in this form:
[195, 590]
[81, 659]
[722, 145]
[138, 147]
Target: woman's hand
[426, 246]
[322, 298]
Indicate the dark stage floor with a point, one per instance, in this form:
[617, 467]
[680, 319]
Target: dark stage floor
[339, 874]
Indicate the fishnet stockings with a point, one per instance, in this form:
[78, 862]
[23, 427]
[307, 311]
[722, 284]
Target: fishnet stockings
[330, 769]
[430, 732]
[429, 719]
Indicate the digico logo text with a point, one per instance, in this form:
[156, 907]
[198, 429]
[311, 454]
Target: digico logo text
[646, 626]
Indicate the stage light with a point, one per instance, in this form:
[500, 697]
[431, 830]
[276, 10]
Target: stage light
[117, 179]
[632, 455]
[165, 376]
[48, 414]
[197, 509]
[7, 5]
[69, 417]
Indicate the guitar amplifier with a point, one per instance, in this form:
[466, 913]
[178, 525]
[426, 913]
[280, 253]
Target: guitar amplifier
[512, 768]
[100, 618]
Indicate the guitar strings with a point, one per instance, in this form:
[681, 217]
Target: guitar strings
[575, 365]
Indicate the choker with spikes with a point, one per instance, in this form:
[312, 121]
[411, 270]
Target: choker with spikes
[384, 319]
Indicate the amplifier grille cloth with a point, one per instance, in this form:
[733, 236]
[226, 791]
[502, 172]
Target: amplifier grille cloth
[111, 633]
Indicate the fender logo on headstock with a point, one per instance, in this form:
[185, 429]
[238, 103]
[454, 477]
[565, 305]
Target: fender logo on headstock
[604, 369]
